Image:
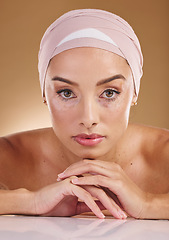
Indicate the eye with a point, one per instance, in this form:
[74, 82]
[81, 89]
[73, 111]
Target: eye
[109, 94]
[66, 94]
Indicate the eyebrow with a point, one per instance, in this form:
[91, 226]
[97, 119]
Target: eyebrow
[101, 82]
[107, 80]
[60, 79]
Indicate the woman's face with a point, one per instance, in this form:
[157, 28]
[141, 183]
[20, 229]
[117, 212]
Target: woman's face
[89, 92]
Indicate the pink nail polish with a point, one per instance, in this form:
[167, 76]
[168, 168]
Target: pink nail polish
[102, 215]
[75, 180]
[58, 179]
[61, 175]
[121, 214]
[125, 216]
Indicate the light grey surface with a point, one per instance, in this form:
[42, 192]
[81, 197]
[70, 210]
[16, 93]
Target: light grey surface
[49, 228]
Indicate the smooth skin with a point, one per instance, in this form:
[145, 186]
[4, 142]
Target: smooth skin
[87, 90]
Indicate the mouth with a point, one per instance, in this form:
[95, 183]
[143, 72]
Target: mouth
[88, 140]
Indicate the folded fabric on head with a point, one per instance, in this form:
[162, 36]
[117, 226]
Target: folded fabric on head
[91, 28]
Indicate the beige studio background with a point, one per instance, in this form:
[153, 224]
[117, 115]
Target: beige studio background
[22, 24]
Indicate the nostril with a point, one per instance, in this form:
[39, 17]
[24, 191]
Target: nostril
[88, 125]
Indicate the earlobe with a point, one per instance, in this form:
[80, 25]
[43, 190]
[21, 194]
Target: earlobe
[44, 101]
[134, 101]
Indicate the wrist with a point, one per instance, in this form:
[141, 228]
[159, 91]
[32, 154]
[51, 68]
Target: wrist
[147, 207]
[156, 206]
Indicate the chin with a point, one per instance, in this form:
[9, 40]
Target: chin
[91, 154]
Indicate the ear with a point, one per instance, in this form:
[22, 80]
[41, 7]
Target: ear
[44, 101]
[134, 100]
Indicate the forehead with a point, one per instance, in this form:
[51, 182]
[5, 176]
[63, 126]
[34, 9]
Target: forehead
[88, 60]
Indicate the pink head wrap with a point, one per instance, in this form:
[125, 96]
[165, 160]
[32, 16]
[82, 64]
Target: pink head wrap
[91, 28]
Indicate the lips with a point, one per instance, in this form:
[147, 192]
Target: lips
[88, 140]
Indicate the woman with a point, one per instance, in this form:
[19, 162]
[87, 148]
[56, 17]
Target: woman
[90, 65]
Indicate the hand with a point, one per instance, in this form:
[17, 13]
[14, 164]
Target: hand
[112, 177]
[61, 199]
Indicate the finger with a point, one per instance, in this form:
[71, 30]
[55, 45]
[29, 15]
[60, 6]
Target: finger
[113, 196]
[105, 164]
[71, 177]
[99, 180]
[83, 208]
[87, 168]
[87, 199]
[73, 167]
[109, 165]
[107, 202]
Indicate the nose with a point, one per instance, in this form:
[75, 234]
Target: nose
[89, 114]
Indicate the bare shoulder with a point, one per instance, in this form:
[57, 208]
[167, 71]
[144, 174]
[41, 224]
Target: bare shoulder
[148, 150]
[24, 142]
[154, 142]
[20, 153]
[148, 134]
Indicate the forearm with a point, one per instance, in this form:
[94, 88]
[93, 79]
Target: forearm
[157, 206]
[18, 201]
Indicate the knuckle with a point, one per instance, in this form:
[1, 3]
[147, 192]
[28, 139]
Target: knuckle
[67, 182]
[100, 193]
[72, 177]
[99, 179]
[85, 160]
[88, 164]
[119, 183]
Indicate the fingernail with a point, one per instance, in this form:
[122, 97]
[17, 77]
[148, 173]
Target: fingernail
[61, 175]
[58, 179]
[125, 216]
[102, 215]
[121, 214]
[75, 180]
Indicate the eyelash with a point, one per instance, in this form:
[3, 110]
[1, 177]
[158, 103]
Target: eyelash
[62, 91]
[114, 92]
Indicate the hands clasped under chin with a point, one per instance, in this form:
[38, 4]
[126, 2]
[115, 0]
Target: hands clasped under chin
[110, 185]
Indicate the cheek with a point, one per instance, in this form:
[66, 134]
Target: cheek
[117, 117]
[117, 114]
[61, 113]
